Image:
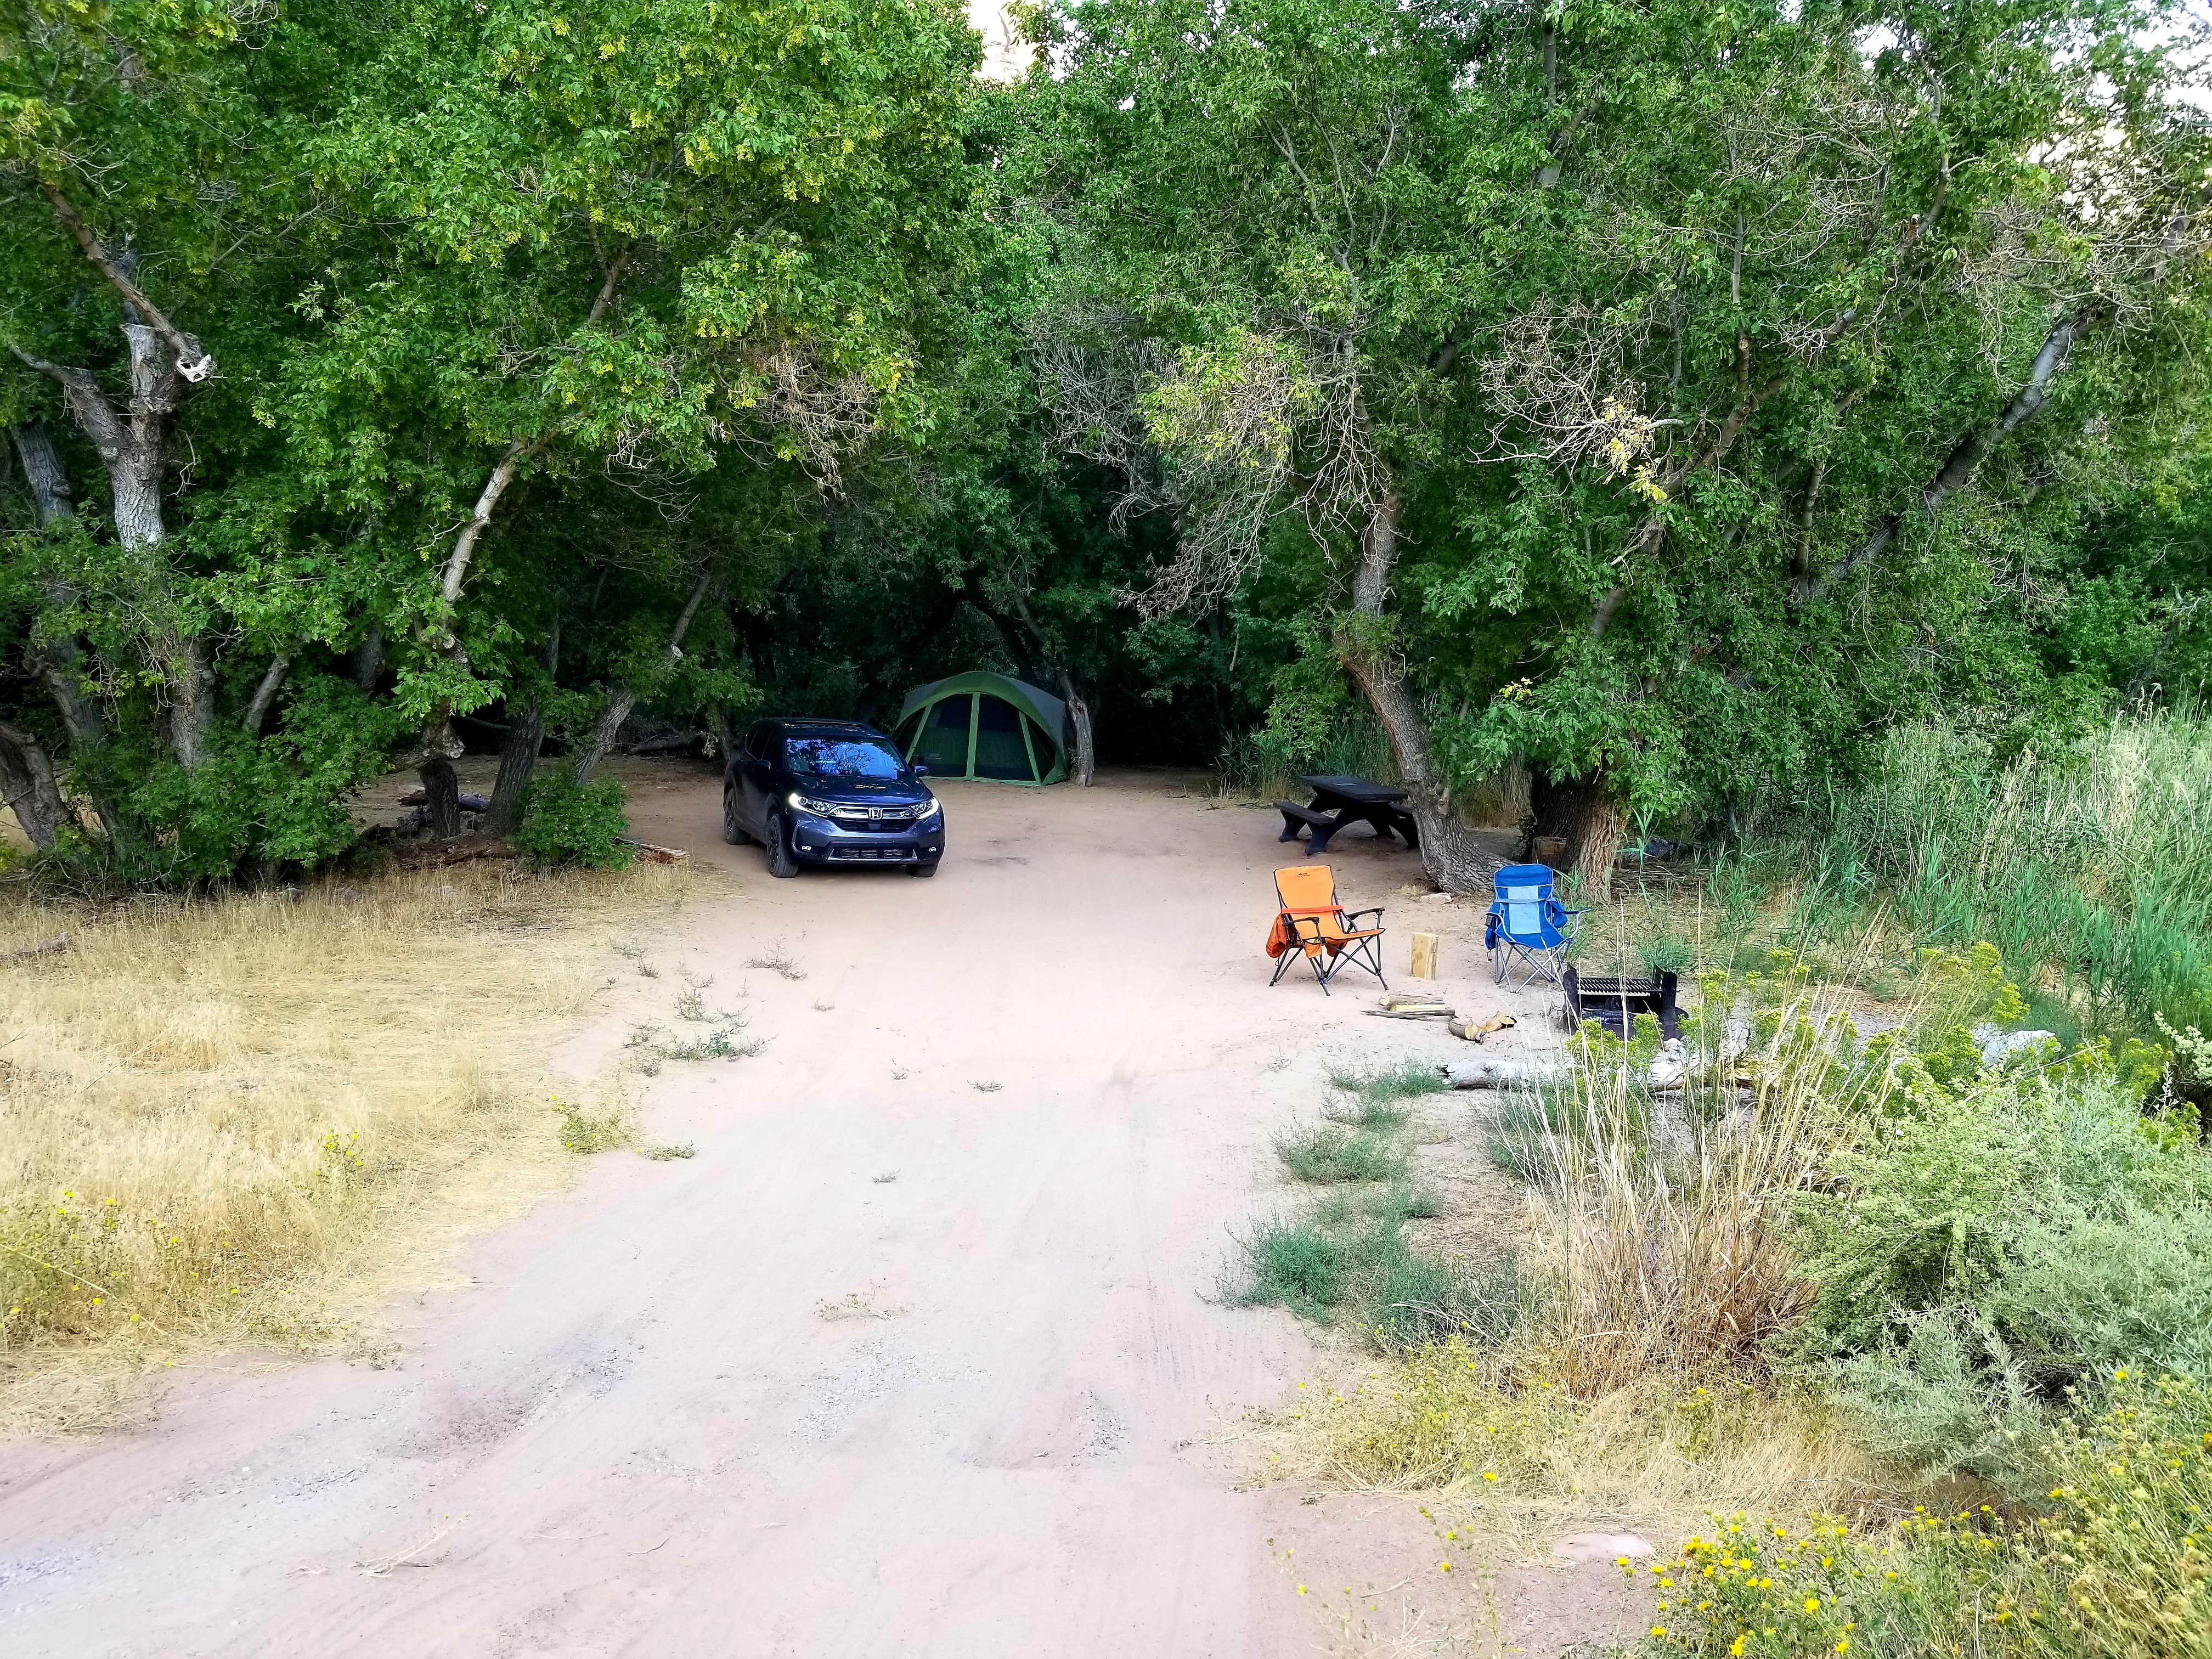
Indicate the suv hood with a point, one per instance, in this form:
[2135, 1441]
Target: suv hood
[863, 792]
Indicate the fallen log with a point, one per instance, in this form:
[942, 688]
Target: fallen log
[441, 855]
[45, 947]
[1497, 1072]
[1486, 1072]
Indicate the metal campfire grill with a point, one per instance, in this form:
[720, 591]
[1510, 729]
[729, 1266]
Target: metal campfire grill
[1614, 1002]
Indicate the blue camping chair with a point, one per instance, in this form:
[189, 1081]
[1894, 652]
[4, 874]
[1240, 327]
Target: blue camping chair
[1527, 921]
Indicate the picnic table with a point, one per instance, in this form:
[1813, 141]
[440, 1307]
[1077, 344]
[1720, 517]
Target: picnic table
[1338, 801]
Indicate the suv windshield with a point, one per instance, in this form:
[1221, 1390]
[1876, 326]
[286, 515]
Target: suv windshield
[840, 757]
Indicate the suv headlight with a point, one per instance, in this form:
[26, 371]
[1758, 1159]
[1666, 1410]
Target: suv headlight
[821, 809]
[930, 807]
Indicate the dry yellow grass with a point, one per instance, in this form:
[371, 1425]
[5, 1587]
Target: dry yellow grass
[236, 1121]
[1509, 1459]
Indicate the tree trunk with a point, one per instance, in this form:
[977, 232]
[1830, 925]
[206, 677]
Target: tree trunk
[133, 447]
[1085, 771]
[518, 762]
[1449, 851]
[443, 804]
[1592, 822]
[518, 756]
[1958, 468]
[622, 698]
[59, 660]
[191, 700]
[27, 784]
[42, 467]
[257, 711]
[620, 702]
[368, 664]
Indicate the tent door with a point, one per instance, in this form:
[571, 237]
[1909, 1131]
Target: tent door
[945, 740]
[1002, 748]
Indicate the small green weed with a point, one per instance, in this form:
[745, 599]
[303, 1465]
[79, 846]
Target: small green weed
[1330, 1152]
[1407, 1080]
[721, 1043]
[779, 961]
[587, 1132]
[663, 1153]
[1293, 1265]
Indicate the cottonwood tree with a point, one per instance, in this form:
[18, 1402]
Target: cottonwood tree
[1626, 454]
[325, 291]
[129, 133]
[657, 237]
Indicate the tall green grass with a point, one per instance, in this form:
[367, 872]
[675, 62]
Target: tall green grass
[2090, 866]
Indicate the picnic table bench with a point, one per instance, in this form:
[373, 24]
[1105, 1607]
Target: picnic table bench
[1338, 801]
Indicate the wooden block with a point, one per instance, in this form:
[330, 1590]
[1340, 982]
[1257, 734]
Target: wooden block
[1425, 956]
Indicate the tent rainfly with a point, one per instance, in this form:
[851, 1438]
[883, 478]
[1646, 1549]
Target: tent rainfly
[982, 725]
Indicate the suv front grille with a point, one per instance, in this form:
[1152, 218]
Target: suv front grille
[873, 817]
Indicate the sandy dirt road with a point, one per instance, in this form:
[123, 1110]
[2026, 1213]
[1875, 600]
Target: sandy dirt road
[637, 1432]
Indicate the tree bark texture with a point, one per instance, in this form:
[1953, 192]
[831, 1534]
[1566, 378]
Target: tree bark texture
[264, 694]
[58, 660]
[518, 756]
[133, 447]
[443, 802]
[28, 786]
[43, 470]
[622, 698]
[367, 661]
[1449, 851]
[1592, 822]
[1085, 772]
[517, 763]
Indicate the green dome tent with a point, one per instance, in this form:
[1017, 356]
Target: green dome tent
[982, 725]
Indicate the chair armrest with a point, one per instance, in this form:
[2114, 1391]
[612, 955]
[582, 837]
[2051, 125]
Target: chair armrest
[1318, 936]
[1352, 917]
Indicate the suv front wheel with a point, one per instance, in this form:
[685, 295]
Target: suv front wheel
[782, 862]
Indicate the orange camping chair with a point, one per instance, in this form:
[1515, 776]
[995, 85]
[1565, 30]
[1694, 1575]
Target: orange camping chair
[1313, 926]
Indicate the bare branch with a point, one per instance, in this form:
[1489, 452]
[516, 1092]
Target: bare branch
[1958, 468]
[192, 362]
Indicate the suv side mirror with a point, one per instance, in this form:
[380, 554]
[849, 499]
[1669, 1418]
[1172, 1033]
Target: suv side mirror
[919, 770]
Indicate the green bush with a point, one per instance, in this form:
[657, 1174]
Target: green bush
[572, 823]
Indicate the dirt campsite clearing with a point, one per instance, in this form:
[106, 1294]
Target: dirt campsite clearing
[922, 1350]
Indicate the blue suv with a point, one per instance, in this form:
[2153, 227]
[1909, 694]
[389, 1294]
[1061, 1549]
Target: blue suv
[830, 792]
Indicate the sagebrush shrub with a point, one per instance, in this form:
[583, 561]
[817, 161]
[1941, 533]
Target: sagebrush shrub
[1994, 1244]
